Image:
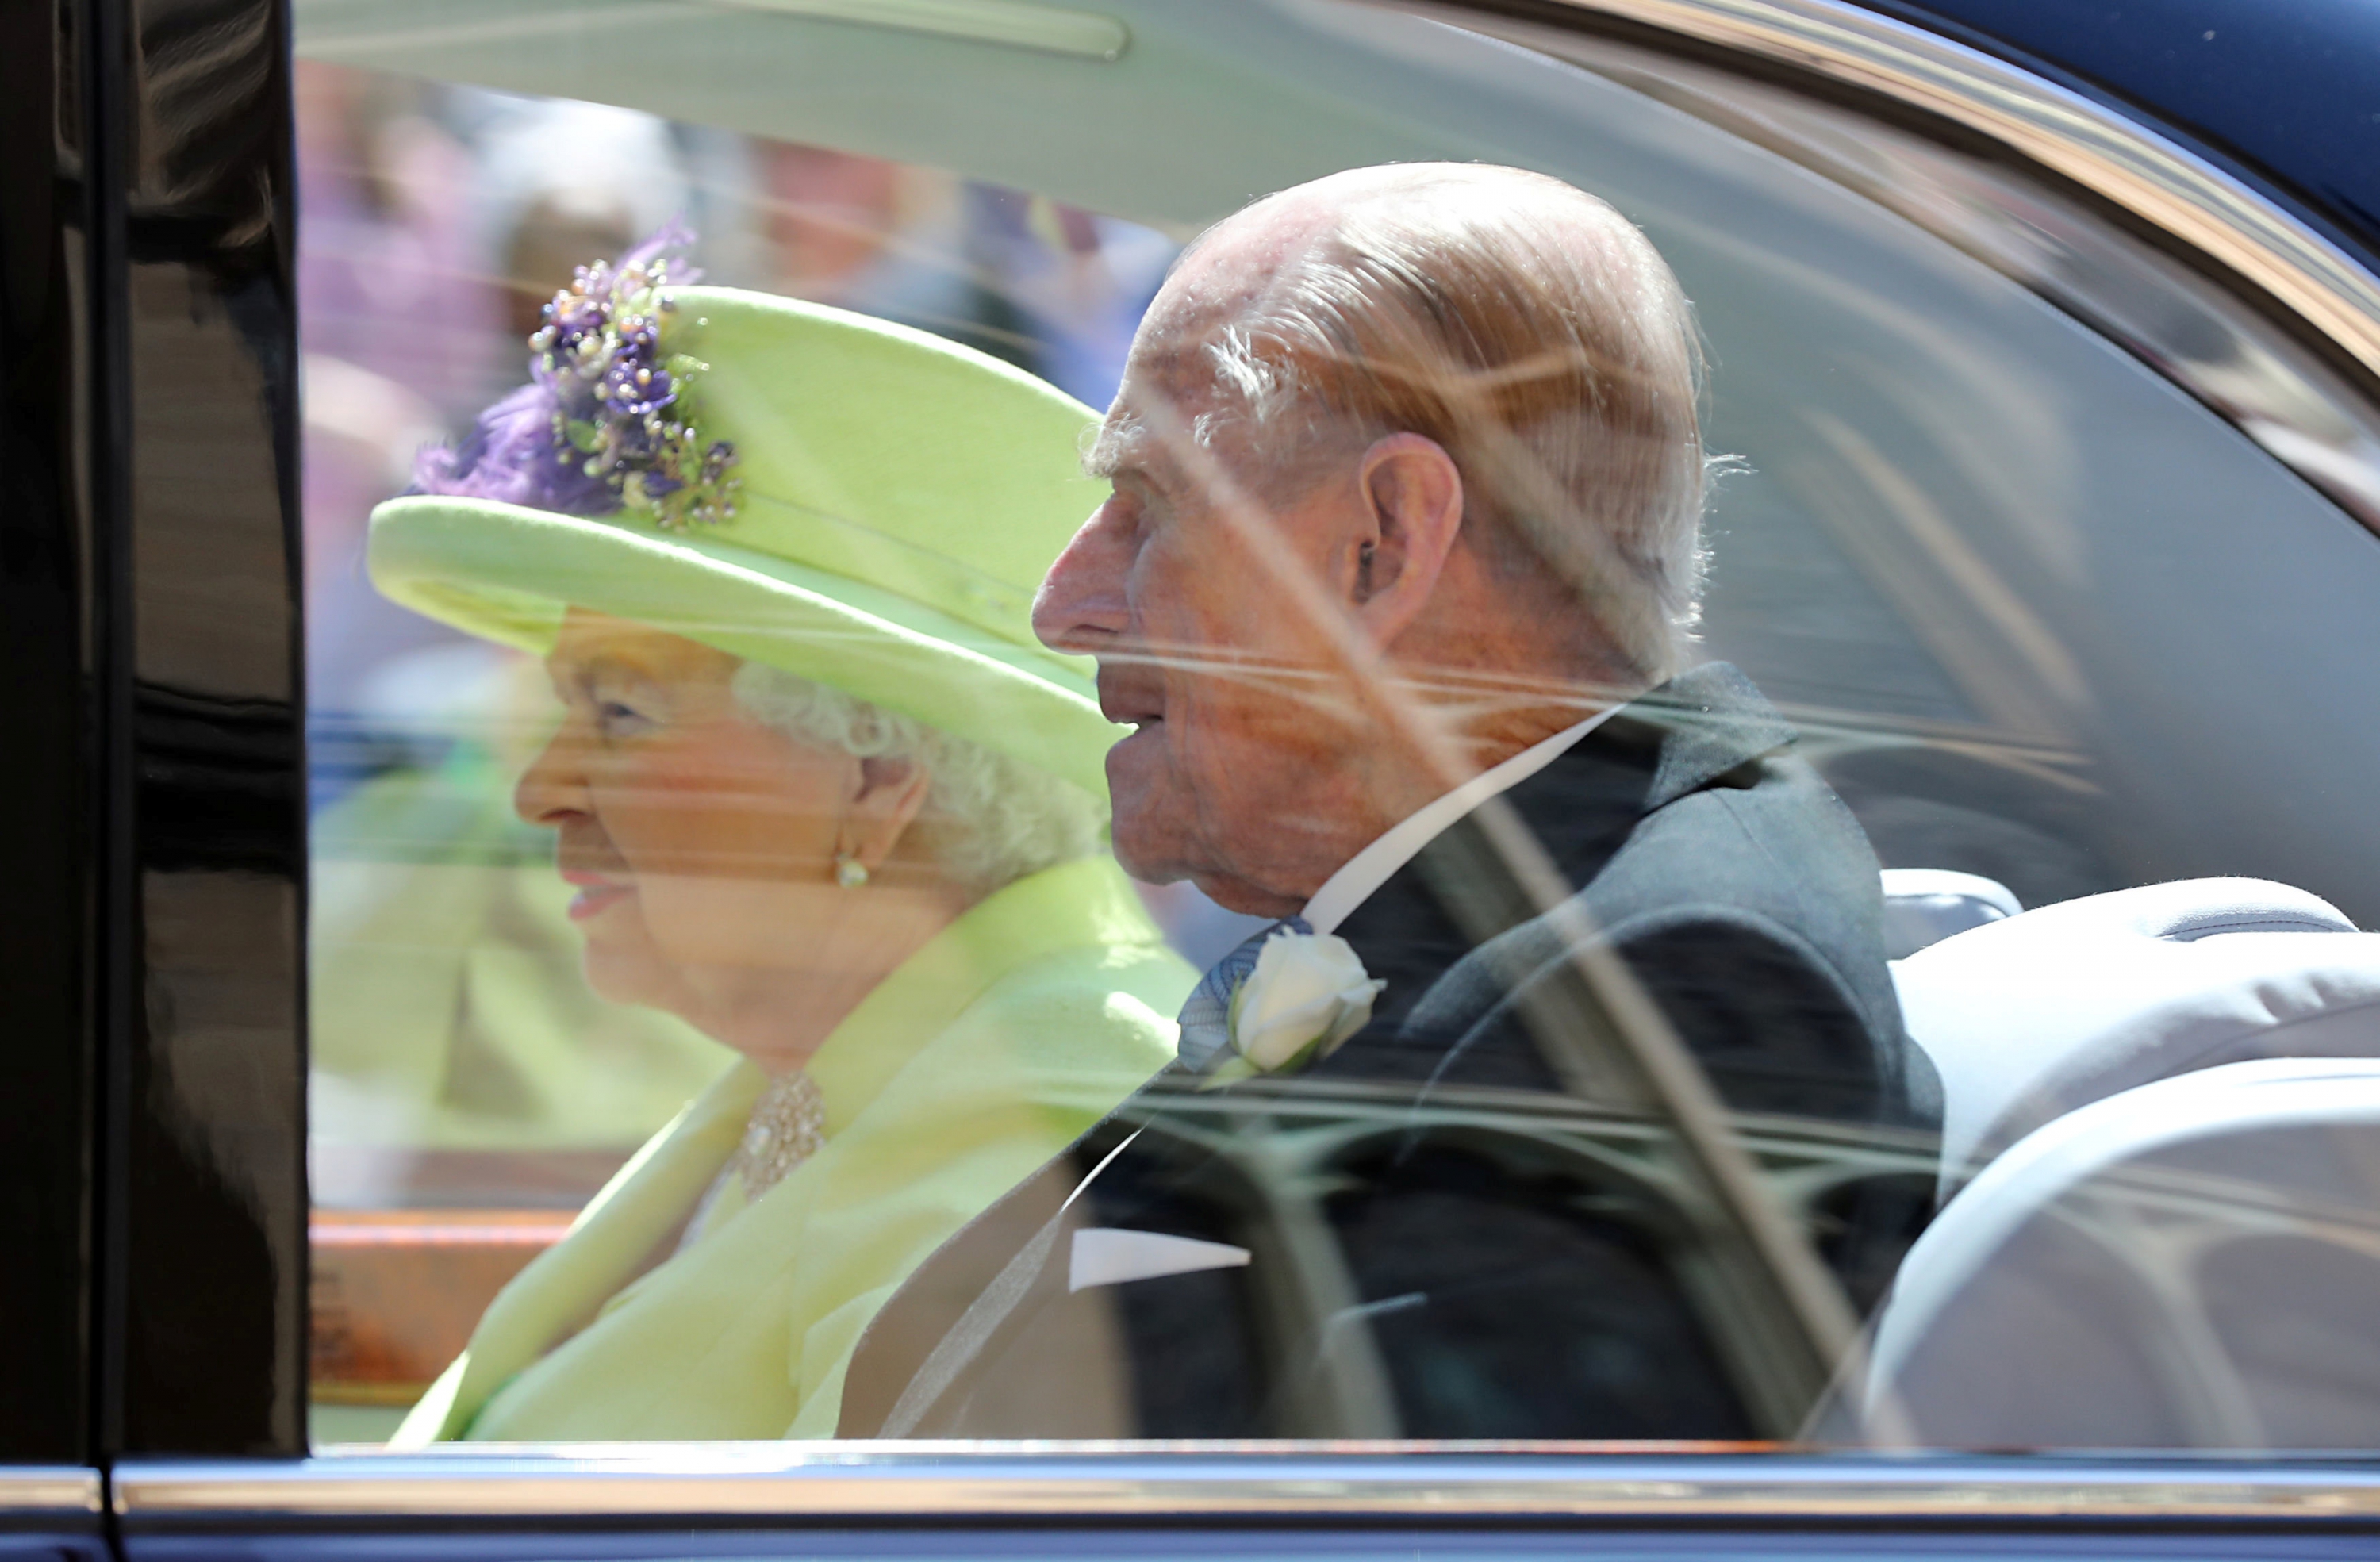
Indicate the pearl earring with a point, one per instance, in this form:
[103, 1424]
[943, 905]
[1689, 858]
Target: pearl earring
[849, 871]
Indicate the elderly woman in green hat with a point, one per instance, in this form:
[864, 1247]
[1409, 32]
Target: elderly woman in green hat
[822, 794]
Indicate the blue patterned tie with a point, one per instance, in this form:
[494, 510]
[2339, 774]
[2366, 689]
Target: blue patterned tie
[1207, 1017]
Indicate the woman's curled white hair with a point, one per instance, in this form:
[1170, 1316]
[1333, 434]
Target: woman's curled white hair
[995, 819]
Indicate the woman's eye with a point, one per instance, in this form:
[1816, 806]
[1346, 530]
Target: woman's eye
[617, 716]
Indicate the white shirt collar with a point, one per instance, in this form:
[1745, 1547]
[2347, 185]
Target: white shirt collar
[1377, 863]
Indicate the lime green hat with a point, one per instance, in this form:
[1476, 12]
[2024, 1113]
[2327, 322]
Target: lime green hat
[862, 505]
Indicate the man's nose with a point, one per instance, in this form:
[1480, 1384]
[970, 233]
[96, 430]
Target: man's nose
[1081, 605]
[554, 788]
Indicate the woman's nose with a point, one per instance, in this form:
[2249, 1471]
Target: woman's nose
[554, 787]
[1081, 606]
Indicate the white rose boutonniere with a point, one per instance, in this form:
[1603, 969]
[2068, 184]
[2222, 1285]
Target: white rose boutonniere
[1308, 993]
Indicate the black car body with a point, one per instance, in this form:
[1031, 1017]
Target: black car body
[2180, 200]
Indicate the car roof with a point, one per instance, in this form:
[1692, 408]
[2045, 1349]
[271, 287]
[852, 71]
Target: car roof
[2284, 92]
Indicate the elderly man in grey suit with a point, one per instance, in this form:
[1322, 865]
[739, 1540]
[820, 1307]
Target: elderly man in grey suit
[1395, 588]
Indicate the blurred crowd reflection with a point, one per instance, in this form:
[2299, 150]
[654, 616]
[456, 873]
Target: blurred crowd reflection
[450, 1019]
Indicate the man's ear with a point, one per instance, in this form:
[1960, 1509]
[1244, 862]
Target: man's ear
[1412, 512]
[887, 802]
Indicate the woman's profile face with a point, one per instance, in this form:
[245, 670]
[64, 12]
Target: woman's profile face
[702, 843]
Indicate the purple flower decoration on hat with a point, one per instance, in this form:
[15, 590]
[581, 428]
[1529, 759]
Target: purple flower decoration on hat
[604, 424]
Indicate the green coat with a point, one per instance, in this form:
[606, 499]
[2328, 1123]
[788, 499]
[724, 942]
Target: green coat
[982, 1057]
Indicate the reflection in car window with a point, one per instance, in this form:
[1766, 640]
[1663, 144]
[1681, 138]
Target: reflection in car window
[940, 816]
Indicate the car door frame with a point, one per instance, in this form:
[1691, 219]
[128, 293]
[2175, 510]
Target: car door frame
[187, 803]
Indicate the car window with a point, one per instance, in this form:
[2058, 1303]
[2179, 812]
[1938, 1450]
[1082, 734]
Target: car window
[1727, 805]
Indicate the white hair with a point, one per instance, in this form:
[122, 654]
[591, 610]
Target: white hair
[1535, 333]
[991, 819]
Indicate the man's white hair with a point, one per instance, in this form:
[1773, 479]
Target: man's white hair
[989, 819]
[1535, 333]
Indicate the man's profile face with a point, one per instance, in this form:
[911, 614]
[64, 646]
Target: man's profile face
[1178, 583]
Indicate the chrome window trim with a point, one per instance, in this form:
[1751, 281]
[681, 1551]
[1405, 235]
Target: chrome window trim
[32, 1491]
[2114, 157]
[947, 1482]
[2272, 387]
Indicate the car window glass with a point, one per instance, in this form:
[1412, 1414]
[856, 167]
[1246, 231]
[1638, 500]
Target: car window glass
[717, 926]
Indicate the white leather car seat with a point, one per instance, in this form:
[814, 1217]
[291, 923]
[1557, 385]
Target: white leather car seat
[1925, 905]
[2033, 1016]
[2194, 1263]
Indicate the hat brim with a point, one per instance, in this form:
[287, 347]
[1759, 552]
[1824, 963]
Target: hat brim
[507, 572]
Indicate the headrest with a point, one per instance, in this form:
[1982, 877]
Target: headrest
[2029, 1017]
[1925, 905]
[2186, 1265]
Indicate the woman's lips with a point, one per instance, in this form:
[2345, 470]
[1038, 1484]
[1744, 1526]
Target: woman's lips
[595, 895]
[597, 899]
